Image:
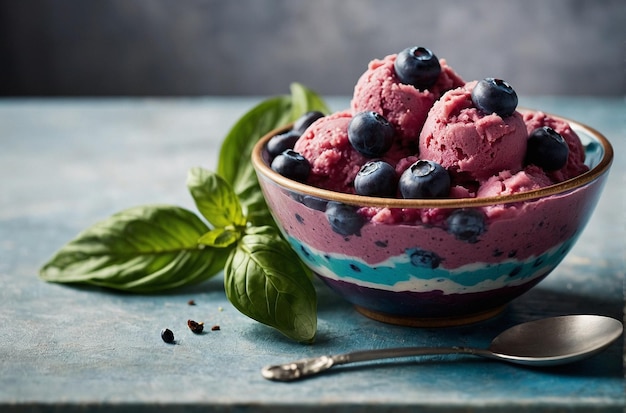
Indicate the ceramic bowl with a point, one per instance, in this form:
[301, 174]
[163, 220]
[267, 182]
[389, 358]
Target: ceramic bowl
[450, 271]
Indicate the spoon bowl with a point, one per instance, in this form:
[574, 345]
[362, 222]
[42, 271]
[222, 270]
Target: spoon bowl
[556, 340]
[546, 342]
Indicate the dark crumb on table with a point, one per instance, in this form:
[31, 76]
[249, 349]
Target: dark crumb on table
[195, 327]
[167, 335]
[191, 302]
[215, 328]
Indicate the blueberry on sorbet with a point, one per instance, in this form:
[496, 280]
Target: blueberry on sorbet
[370, 134]
[306, 120]
[425, 179]
[547, 149]
[292, 165]
[376, 178]
[281, 142]
[492, 95]
[417, 66]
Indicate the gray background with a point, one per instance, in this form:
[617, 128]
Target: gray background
[257, 47]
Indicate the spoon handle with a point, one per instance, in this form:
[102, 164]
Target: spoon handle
[308, 367]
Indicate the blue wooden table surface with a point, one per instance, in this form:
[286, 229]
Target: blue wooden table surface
[65, 164]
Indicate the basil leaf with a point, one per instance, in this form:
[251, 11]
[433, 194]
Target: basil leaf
[141, 249]
[219, 237]
[304, 100]
[234, 160]
[215, 199]
[237, 146]
[265, 280]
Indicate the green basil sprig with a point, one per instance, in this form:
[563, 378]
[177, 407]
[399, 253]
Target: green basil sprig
[263, 277]
[154, 248]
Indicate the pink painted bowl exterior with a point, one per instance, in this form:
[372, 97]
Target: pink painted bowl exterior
[428, 274]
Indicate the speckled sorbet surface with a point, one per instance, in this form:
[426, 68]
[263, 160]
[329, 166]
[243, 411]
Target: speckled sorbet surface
[406, 107]
[470, 144]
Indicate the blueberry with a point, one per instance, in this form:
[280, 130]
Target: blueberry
[547, 149]
[376, 178]
[466, 224]
[370, 134]
[167, 335]
[423, 258]
[344, 219]
[425, 179]
[281, 142]
[315, 203]
[292, 165]
[306, 120]
[494, 96]
[309, 201]
[417, 66]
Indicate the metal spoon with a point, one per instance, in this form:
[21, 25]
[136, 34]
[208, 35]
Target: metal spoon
[545, 342]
